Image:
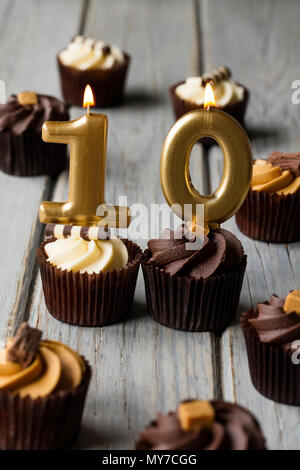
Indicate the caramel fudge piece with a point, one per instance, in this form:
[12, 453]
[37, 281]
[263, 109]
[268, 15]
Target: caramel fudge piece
[194, 415]
[27, 98]
[292, 302]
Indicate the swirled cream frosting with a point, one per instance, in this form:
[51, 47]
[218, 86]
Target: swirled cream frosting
[79, 255]
[278, 174]
[226, 91]
[54, 367]
[88, 54]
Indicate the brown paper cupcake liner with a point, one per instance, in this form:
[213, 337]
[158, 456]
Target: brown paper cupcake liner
[28, 155]
[181, 107]
[44, 423]
[107, 85]
[272, 371]
[270, 217]
[90, 299]
[188, 304]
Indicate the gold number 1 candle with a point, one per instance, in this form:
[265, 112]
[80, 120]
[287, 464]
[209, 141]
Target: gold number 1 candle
[87, 137]
[237, 171]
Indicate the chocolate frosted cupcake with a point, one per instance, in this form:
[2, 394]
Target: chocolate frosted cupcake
[231, 97]
[203, 425]
[22, 151]
[271, 210]
[272, 335]
[194, 289]
[88, 280]
[43, 386]
[103, 66]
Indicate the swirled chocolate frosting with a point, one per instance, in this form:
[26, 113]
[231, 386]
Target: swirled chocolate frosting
[286, 161]
[221, 252]
[234, 428]
[18, 118]
[273, 325]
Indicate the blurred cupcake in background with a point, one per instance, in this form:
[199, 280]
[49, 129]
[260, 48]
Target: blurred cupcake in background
[271, 210]
[43, 386]
[203, 425]
[103, 66]
[22, 151]
[231, 97]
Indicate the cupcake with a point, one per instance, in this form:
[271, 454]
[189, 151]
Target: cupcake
[271, 210]
[203, 425]
[101, 65]
[272, 335]
[194, 290]
[43, 386]
[88, 275]
[230, 96]
[22, 151]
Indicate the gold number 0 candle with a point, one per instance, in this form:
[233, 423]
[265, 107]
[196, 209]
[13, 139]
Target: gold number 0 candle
[87, 137]
[237, 171]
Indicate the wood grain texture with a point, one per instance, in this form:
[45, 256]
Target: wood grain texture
[139, 367]
[268, 69]
[27, 57]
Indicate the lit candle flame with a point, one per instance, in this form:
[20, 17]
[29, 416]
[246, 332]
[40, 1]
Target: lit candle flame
[88, 98]
[209, 97]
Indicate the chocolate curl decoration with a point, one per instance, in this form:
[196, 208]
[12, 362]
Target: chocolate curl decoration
[24, 345]
[217, 76]
[87, 233]
[106, 50]
[286, 161]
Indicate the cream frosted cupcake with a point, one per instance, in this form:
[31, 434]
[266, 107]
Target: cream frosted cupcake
[43, 386]
[271, 210]
[103, 66]
[88, 279]
[231, 97]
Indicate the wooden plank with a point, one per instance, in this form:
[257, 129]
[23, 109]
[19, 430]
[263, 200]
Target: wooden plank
[268, 70]
[139, 367]
[27, 55]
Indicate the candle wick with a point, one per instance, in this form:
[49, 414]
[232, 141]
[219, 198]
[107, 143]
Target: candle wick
[88, 110]
[208, 108]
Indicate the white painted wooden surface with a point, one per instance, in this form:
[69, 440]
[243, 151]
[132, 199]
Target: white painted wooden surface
[140, 367]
